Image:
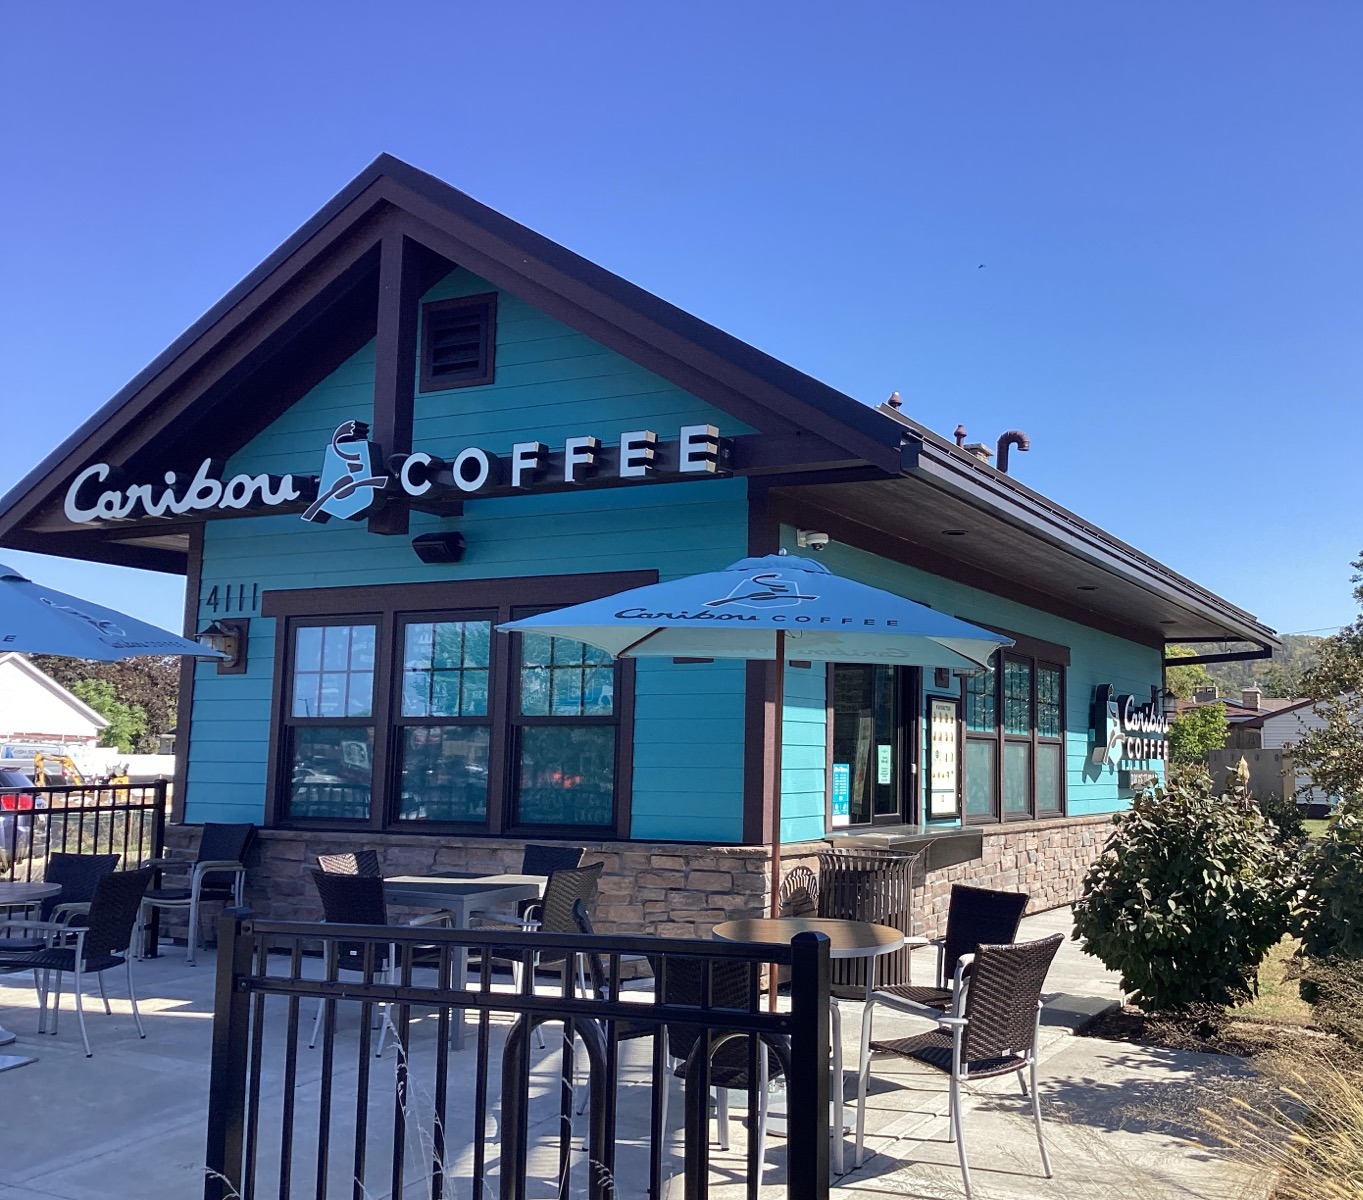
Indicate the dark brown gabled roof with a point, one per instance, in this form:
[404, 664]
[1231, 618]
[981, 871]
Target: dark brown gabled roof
[315, 300]
[323, 279]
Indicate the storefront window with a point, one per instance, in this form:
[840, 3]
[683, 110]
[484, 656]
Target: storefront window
[412, 718]
[1014, 751]
[981, 778]
[565, 733]
[330, 731]
[443, 764]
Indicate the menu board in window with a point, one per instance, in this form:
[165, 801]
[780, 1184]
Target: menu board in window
[944, 755]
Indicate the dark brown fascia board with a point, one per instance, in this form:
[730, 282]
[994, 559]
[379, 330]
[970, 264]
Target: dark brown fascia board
[101, 550]
[997, 494]
[504, 250]
[145, 396]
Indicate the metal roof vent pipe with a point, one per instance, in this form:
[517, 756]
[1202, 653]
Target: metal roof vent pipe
[1013, 437]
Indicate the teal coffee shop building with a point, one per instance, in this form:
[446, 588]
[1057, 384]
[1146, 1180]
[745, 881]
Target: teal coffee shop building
[417, 420]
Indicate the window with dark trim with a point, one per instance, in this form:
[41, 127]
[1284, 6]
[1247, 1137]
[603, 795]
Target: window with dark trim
[565, 726]
[1014, 740]
[458, 342]
[421, 717]
[329, 719]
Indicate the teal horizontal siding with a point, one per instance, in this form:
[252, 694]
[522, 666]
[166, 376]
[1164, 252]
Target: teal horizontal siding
[552, 383]
[804, 757]
[1095, 658]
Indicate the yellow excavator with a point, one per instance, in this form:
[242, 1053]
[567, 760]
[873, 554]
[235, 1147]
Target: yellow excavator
[57, 770]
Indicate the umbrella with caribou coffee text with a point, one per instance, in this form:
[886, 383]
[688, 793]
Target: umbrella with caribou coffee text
[778, 607]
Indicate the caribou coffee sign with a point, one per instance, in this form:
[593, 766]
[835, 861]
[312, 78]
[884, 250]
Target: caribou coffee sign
[1126, 731]
[355, 479]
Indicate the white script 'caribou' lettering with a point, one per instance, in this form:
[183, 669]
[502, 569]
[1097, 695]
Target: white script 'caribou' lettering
[203, 491]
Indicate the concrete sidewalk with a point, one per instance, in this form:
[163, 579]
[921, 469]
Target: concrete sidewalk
[131, 1120]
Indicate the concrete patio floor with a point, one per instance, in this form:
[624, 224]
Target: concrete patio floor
[131, 1120]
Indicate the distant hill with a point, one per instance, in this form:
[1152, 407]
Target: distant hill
[1277, 676]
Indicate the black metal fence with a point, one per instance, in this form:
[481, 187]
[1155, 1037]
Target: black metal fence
[583, 1112]
[124, 819]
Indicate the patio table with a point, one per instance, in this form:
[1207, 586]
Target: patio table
[846, 939]
[462, 895]
[16, 894]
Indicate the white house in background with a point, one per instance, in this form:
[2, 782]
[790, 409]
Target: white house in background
[34, 707]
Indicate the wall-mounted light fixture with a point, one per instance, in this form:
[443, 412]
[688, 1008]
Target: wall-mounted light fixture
[227, 636]
[439, 547]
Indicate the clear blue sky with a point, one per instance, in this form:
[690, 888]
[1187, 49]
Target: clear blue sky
[1166, 199]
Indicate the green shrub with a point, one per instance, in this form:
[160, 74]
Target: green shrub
[1335, 989]
[1331, 919]
[1285, 815]
[1190, 893]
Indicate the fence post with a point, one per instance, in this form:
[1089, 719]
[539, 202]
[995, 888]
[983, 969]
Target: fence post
[151, 936]
[807, 1132]
[227, 1073]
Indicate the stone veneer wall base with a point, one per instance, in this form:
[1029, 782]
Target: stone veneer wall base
[664, 888]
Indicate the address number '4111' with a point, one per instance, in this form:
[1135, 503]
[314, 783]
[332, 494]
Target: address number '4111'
[233, 597]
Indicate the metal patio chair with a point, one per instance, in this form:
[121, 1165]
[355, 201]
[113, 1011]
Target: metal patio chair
[95, 941]
[359, 900]
[218, 872]
[992, 1030]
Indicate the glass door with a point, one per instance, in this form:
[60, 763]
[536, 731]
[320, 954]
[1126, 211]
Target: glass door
[868, 742]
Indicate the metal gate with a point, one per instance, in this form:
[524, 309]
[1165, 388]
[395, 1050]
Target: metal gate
[509, 1115]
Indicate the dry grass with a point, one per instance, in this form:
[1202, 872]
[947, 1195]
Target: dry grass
[1305, 1133]
[1278, 1002]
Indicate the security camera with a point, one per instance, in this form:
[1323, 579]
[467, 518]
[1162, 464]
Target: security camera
[811, 539]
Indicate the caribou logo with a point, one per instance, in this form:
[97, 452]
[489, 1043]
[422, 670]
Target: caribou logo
[352, 476]
[770, 589]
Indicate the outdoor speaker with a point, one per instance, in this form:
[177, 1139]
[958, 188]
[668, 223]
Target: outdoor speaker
[439, 547]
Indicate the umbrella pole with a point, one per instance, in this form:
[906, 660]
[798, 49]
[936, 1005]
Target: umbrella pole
[774, 909]
[778, 730]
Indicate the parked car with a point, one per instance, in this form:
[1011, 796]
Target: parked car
[21, 824]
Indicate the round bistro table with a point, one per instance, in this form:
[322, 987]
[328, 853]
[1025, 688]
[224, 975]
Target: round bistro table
[14, 895]
[846, 939]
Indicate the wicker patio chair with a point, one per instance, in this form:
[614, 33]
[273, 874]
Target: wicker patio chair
[992, 1030]
[975, 917]
[96, 941]
[78, 875]
[364, 863]
[800, 893]
[868, 885]
[538, 859]
[731, 987]
[218, 872]
[358, 900]
[553, 913]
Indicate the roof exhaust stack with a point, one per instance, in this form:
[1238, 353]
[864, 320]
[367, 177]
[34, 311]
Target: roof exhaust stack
[960, 435]
[1013, 437]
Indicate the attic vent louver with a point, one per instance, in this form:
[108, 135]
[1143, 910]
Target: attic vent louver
[458, 342]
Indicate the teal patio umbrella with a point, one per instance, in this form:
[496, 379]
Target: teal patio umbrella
[777, 607]
[37, 620]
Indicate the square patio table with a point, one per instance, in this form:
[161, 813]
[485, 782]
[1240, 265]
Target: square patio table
[462, 895]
